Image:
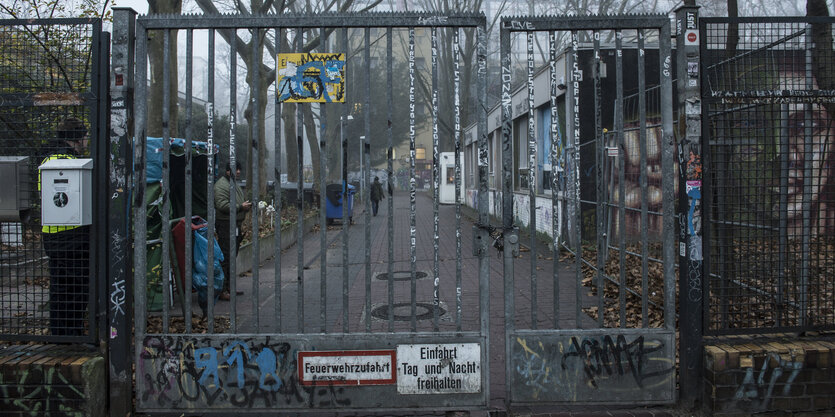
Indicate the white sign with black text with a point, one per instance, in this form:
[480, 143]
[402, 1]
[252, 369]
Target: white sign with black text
[450, 368]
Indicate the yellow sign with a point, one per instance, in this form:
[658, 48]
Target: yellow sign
[311, 78]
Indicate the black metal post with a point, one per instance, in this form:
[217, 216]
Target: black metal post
[119, 261]
[691, 253]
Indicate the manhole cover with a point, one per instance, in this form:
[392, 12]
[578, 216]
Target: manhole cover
[402, 275]
[403, 311]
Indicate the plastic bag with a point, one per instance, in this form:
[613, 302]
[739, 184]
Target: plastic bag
[199, 276]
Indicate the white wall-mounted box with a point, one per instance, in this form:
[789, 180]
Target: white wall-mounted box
[66, 192]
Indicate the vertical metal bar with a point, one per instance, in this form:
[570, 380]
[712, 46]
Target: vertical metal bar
[532, 177]
[668, 187]
[556, 171]
[119, 220]
[573, 116]
[600, 215]
[345, 264]
[456, 57]
[186, 273]
[233, 183]
[323, 227]
[412, 225]
[507, 196]
[300, 199]
[390, 166]
[806, 203]
[366, 173]
[436, 181]
[642, 132]
[210, 189]
[483, 201]
[166, 185]
[140, 238]
[99, 123]
[783, 219]
[277, 194]
[255, 187]
[621, 158]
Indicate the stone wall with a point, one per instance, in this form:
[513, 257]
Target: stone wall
[51, 380]
[785, 374]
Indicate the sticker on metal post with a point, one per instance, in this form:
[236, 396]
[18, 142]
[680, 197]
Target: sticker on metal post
[347, 367]
[452, 368]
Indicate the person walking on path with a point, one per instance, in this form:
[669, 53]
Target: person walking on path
[223, 190]
[68, 247]
[376, 195]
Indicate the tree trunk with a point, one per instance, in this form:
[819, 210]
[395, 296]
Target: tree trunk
[155, 56]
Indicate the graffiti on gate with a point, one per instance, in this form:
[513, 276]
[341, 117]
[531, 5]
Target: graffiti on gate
[577, 368]
[311, 78]
[182, 372]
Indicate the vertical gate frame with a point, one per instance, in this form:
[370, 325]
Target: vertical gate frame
[379, 398]
[663, 338]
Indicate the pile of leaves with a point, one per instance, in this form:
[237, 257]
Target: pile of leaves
[177, 325]
[266, 221]
[634, 282]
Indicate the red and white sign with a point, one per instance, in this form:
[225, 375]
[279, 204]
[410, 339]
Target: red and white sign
[691, 37]
[347, 367]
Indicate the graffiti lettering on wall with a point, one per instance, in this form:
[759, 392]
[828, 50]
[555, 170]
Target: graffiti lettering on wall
[21, 390]
[178, 372]
[311, 78]
[757, 389]
[579, 369]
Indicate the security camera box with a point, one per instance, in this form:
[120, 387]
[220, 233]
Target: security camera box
[66, 192]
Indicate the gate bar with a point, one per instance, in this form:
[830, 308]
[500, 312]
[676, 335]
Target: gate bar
[619, 129]
[412, 181]
[166, 182]
[532, 176]
[436, 181]
[345, 264]
[599, 141]
[233, 181]
[255, 187]
[390, 166]
[210, 189]
[507, 190]
[323, 227]
[277, 195]
[668, 188]
[299, 199]
[186, 273]
[366, 175]
[483, 201]
[456, 48]
[573, 116]
[296, 20]
[642, 132]
[556, 161]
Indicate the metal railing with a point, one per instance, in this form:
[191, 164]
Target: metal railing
[770, 220]
[52, 89]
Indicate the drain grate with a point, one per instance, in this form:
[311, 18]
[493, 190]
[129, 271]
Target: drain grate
[402, 275]
[403, 311]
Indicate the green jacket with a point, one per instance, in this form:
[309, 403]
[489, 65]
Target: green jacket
[222, 198]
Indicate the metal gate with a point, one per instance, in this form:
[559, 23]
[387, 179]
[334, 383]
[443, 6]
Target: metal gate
[53, 88]
[607, 209]
[768, 123]
[347, 323]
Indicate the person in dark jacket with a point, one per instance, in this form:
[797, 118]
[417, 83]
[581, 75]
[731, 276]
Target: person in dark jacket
[68, 247]
[376, 195]
[223, 189]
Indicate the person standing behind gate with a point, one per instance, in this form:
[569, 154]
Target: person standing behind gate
[68, 247]
[376, 195]
[223, 190]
